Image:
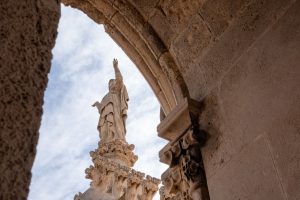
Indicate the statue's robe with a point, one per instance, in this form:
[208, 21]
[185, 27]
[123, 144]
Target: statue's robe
[113, 112]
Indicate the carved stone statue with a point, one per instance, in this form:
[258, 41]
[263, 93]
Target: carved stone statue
[112, 176]
[113, 109]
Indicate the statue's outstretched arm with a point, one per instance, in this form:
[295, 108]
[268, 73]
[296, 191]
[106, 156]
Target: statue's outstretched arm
[119, 78]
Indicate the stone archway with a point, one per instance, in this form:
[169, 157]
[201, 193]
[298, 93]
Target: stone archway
[136, 36]
[132, 31]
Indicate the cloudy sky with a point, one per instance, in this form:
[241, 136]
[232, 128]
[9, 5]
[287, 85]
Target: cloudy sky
[81, 69]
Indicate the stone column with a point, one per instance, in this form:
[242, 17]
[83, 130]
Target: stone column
[27, 35]
[185, 179]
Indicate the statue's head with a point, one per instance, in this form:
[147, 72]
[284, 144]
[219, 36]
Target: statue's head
[111, 83]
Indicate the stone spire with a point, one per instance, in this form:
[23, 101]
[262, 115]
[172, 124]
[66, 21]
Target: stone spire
[112, 176]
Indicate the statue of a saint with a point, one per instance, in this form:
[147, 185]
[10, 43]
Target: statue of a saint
[113, 109]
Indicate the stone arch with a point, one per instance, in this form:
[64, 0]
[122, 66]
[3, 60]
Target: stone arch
[241, 58]
[130, 29]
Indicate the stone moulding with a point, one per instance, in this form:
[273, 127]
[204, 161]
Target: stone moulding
[185, 179]
[179, 120]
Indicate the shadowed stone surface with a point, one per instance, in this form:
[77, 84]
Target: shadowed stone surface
[250, 175]
[27, 34]
[259, 97]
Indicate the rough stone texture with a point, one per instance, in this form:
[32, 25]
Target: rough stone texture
[218, 14]
[145, 7]
[171, 17]
[258, 98]
[248, 26]
[197, 32]
[241, 58]
[249, 175]
[27, 34]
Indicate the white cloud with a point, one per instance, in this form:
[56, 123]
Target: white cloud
[82, 66]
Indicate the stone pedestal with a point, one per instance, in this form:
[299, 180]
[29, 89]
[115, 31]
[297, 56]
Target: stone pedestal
[112, 177]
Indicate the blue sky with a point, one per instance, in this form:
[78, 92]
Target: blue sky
[81, 69]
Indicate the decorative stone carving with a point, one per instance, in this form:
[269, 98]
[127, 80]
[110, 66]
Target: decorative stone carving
[118, 150]
[112, 177]
[185, 179]
[149, 188]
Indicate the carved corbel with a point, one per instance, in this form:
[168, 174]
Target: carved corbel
[149, 188]
[175, 185]
[134, 181]
[172, 180]
[119, 183]
[185, 179]
[165, 195]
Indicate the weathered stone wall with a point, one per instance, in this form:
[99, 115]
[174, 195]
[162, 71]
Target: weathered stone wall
[240, 57]
[253, 109]
[27, 34]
